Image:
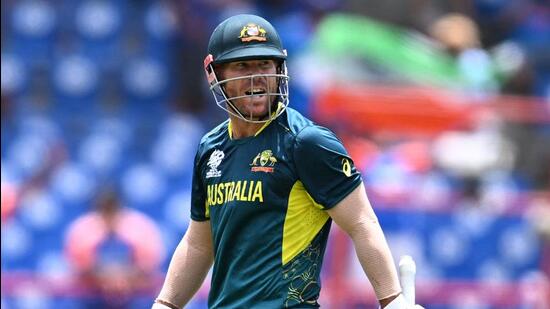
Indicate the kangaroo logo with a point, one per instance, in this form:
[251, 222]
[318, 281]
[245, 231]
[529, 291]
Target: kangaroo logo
[264, 162]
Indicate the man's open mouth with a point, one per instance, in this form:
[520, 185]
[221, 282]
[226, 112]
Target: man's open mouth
[255, 91]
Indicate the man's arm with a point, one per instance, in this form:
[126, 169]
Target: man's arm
[356, 217]
[190, 263]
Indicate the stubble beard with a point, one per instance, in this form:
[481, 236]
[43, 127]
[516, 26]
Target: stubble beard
[264, 116]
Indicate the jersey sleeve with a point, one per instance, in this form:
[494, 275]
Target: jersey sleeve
[199, 209]
[324, 166]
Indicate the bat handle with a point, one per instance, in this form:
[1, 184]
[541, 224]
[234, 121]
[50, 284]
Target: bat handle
[407, 272]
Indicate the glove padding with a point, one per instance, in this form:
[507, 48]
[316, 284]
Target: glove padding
[400, 303]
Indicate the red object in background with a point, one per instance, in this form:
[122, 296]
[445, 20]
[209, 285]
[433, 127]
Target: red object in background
[416, 111]
[384, 109]
[9, 200]
[362, 150]
[415, 156]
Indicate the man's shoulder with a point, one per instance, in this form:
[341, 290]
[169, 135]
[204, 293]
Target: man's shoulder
[305, 129]
[216, 133]
[214, 136]
[295, 121]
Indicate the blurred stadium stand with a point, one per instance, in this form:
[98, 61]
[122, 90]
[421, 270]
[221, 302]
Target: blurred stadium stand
[451, 132]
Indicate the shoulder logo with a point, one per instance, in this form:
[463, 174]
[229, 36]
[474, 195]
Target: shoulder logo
[264, 162]
[252, 32]
[215, 160]
[346, 167]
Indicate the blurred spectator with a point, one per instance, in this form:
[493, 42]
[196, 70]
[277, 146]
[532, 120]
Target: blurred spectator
[459, 35]
[456, 32]
[115, 252]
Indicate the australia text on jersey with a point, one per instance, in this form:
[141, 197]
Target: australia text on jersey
[243, 191]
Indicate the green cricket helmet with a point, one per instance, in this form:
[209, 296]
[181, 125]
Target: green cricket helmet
[240, 38]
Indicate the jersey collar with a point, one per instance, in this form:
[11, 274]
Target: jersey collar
[229, 126]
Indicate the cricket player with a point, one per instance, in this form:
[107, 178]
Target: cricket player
[267, 184]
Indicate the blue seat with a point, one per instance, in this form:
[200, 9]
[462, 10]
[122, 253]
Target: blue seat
[14, 74]
[34, 24]
[146, 82]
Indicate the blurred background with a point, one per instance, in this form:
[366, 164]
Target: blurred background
[444, 106]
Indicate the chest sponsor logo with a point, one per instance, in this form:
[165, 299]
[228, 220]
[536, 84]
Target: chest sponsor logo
[264, 162]
[213, 163]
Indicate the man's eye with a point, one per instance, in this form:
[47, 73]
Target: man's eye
[266, 65]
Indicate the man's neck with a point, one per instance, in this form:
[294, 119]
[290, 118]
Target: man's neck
[241, 128]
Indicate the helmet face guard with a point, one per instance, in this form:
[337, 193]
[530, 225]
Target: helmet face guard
[278, 99]
[241, 38]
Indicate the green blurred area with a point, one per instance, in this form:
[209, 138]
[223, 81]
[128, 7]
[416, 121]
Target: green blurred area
[403, 52]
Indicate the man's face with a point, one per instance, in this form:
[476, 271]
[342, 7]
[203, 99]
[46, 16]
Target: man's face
[255, 105]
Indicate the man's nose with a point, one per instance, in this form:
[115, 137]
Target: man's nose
[255, 69]
[257, 78]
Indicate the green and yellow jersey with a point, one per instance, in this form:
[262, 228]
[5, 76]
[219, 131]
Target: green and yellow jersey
[265, 197]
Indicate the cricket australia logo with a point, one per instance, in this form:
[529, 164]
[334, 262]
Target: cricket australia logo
[215, 160]
[264, 162]
[252, 32]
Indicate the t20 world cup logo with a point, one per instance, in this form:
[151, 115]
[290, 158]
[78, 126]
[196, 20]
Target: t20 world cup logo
[215, 160]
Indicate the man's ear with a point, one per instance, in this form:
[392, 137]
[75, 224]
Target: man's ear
[218, 69]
